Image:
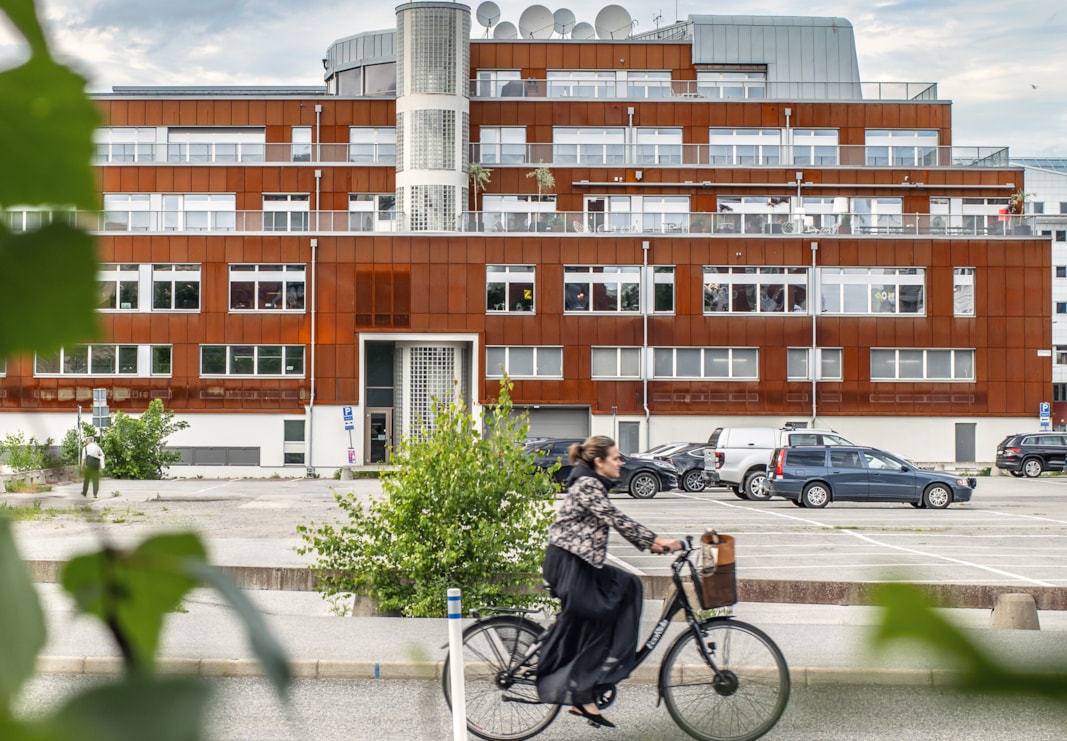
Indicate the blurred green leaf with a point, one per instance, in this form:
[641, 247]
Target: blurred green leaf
[132, 591]
[270, 653]
[48, 290]
[22, 632]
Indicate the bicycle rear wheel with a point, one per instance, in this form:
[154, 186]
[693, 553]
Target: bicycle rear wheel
[743, 700]
[502, 702]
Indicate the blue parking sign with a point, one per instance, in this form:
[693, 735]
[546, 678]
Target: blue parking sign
[1045, 409]
[347, 412]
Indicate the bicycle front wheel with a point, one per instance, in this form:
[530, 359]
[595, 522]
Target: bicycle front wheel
[738, 700]
[500, 690]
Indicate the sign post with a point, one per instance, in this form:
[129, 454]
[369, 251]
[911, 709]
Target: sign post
[350, 425]
[1045, 415]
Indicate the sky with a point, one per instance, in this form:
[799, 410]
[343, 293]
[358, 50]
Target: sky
[1002, 64]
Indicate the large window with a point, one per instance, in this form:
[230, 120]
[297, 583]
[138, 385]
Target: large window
[251, 360]
[301, 144]
[524, 362]
[729, 84]
[755, 290]
[901, 147]
[815, 147]
[176, 287]
[119, 287]
[744, 146]
[106, 360]
[124, 144]
[206, 144]
[609, 288]
[267, 287]
[499, 83]
[659, 146]
[372, 145]
[368, 212]
[963, 291]
[509, 288]
[907, 364]
[589, 146]
[285, 212]
[720, 363]
[754, 214]
[293, 431]
[502, 145]
[873, 290]
[127, 212]
[798, 361]
[200, 212]
[616, 362]
[518, 213]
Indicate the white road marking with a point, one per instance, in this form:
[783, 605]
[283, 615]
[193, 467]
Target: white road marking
[212, 488]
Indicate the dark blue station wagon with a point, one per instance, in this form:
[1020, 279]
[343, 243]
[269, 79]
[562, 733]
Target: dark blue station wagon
[816, 476]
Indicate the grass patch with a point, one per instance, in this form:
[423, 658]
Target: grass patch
[37, 512]
[21, 486]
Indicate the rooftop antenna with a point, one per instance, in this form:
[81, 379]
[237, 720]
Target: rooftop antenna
[488, 14]
[657, 18]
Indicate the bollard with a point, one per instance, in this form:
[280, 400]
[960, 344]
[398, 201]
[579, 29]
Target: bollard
[1014, 611]
[346, 473]
[455, 661]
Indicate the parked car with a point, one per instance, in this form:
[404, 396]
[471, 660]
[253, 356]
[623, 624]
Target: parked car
[640, 478]
[688, 458]
[662, 451]
[738, 456]
[815, 476]
[1032, 453]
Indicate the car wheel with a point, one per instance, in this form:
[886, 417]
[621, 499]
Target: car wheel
[754, 488]
[738, 493]
[937, 496]
[916, 505]
[1017, 474]
[643, 486]
[1032, 468]
[816, 495]
[693, 480]
[797, 502]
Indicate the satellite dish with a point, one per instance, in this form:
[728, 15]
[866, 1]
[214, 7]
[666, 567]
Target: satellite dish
[582, 31]
[488, 13]
[613, 22]
[564, 21]
[536, 22]
[505, 30]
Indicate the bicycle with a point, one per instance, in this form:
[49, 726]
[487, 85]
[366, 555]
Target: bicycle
[721, 679]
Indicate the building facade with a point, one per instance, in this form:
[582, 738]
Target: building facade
[714, 223]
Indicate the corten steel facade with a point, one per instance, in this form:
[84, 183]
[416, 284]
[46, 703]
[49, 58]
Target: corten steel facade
[724, 247]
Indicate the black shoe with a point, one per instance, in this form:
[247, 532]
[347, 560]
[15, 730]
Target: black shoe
[595, 719]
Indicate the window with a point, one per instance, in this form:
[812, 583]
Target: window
[659, 146]
[285, 212]
[873, 290]
[1061, 271]
[127, 212]
[581, 83]
[293, 441]
[200, 212]
[844, 459]
[370, 145]
[524, 362]
[517, 213]
[963, 291]
[662, 289]
[119, 287]
[206, 144]
[798, 367]
[754, 214]
[176, 287]
[504, 145]
[646, 83]
[602, 288]
[900, 364]
[616, 362]
[1059, 355]
[755, 290]
[589, 146]
[719, 363]
[499, 83]
[801, 457]
[744, 146]
[267, 287]
[123, 144]
[1061, 307]
[730, 84]
[372, 213]
[106, 360]
[251, 360]
[1059, 392]
[301, 144]
[635, 213]
[509, 288]
[815, 147]
[901, 147]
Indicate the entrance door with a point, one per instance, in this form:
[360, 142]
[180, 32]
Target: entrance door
[965, 442]
[379, 443]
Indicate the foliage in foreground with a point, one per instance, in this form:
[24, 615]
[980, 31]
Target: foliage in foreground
[461, 510]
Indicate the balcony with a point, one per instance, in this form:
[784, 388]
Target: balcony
[225, 153]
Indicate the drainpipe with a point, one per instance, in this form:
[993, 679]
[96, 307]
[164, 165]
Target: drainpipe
[318, 138]
[648, 298]
[318, 187]
[311, 400]
[815, 365]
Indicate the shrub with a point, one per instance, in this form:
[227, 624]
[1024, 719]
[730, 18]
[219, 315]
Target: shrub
[22, 454]
[134, 447]
[460, 510]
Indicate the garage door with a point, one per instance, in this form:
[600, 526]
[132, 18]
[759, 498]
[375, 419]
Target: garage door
[557, 421]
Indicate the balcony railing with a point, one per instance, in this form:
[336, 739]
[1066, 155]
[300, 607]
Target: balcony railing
[224, 153]
[699, 90]
[527, 222]
[736, 155]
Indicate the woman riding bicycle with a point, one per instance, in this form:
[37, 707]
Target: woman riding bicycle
[594, 640]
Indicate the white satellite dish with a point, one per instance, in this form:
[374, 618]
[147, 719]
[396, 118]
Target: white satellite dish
[613, 22]
[488, 13]
[563, 21]
[505, 30]
[536, 22]
[582, 30]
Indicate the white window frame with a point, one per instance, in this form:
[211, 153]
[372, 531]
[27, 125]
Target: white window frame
[254, 352]
[732, 84]
[293, 450]
[372, 212]
[626, 362]
[665, 362]
[875, 284]
[171, 274]
[585, 279]
[721, 285]
[499, 83]
[581, 83]
[503, 145]
[295, 206]
[199, 212]
[124, 144]
[120, 277]
[551, 357]
[658, 146]
[85, 361]
[301, 143]
[960, 359]
[831, 363]
[372, 145]
[815, 147]
[1059, 355]
[963, 291]
[128, 212]
[511, 278]
[291, 279]
[589, 145]
[744, 146]
[204, 144]
[901, 147]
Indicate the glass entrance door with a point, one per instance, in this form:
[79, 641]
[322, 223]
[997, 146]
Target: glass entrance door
[379, 443]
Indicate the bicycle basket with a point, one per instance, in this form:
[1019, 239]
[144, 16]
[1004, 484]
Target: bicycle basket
[716, 582]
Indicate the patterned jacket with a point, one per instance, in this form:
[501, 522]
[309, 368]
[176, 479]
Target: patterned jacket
[586, 517]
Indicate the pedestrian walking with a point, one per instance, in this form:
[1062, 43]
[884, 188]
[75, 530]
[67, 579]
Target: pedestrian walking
[94, 463]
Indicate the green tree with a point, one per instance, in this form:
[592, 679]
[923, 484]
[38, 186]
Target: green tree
[135, 447]
[479, 177]
[462, 509]
[22, 454]
[546, 181]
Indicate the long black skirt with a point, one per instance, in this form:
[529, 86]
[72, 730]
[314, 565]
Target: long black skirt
[594, 640]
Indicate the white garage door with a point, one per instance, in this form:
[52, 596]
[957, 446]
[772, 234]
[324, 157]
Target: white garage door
[557, 421]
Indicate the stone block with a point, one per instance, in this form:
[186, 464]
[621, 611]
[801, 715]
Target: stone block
[1014, 611]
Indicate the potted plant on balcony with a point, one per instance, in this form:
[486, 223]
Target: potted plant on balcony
[545, 181]
[479, 177]
[844, 224]
[1017, 208]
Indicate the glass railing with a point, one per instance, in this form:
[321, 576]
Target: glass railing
[223, 153]
[533, 221]
[593, 89]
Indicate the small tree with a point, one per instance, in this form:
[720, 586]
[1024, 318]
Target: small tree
[462, 510]
[22, 454]
[546, 181]
[134, 447]
[479, 177]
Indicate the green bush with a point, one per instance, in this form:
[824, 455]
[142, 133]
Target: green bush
[460, 510]
[134, 447]
[24, 455]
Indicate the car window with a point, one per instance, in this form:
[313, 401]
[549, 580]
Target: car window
[803, 438]
[1050, 440]
[811, 458]
[713, 440]
[845, 459]
[828, 439]
[1030, 440]
[879, 462]
[561, 449]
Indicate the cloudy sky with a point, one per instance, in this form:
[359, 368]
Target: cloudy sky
[1004, 65]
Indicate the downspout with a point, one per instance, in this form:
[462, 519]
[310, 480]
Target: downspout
[815, 364]
[318, 129]
[647, 300]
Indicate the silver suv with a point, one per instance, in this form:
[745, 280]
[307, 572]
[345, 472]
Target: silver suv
[738, 456]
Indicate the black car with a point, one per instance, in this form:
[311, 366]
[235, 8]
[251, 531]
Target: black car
[640, 478]
[688, 458]
[1032, 453]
